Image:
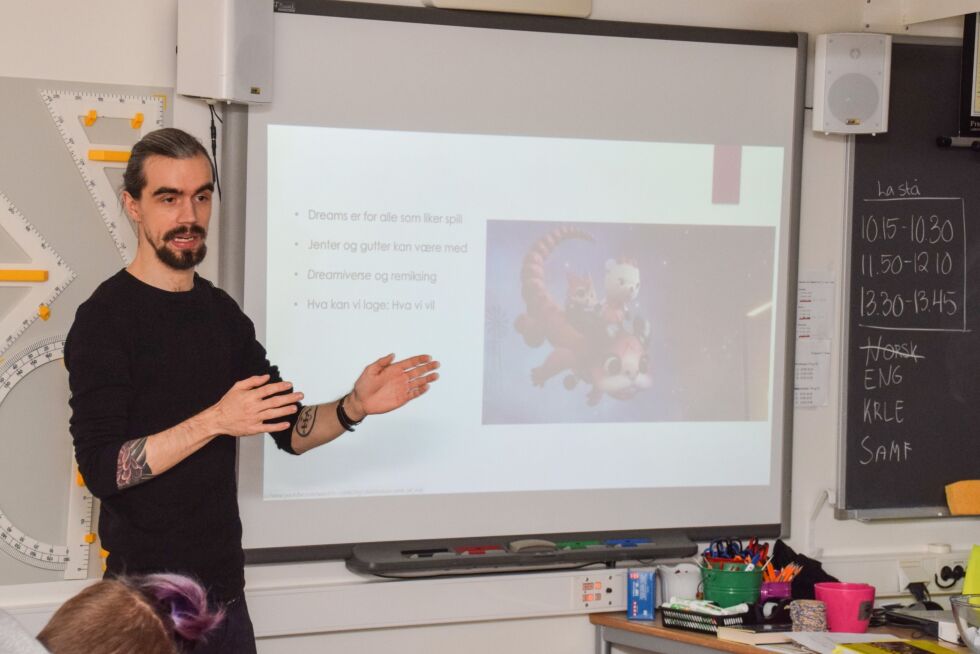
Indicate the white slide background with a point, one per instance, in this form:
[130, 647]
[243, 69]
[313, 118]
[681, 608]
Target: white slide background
[332, 217]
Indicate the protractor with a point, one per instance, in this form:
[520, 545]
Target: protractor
[30, 491]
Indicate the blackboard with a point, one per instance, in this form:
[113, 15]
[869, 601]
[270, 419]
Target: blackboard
[912, 387]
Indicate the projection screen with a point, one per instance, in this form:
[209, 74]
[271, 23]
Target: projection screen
[591, 225]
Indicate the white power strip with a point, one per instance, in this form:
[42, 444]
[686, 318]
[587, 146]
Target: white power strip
[890, 573]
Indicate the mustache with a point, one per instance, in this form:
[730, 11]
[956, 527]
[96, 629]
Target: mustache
[184, 231]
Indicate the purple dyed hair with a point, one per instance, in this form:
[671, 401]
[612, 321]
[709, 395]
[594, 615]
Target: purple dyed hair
[152, 614]
[183, 601]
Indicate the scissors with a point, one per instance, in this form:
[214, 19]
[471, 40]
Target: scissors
[724, 548]
[757, 551]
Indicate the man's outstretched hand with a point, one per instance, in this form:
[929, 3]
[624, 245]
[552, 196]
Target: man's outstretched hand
[245, 408]
[387, 384]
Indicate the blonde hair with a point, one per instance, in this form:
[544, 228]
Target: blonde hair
[154, 614]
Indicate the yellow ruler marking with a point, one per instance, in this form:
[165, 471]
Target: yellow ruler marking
[23, 275]
[108, 155]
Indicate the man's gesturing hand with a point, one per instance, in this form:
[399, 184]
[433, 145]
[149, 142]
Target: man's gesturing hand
[249, 403]
[387, 384]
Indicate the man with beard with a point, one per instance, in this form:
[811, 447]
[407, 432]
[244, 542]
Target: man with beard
[165, 372]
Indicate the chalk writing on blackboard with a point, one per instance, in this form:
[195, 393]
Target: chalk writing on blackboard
[912, 417]
[912, 278]
[912, 262]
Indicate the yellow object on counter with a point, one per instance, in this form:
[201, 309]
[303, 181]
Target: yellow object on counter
[971, 583]
[963, 497]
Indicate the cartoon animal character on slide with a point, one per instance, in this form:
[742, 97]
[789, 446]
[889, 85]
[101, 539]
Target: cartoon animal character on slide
[595, 343]
[622, 286]
[621, 367]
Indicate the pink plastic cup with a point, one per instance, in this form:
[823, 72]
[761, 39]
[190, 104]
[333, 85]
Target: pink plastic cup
[848, 605]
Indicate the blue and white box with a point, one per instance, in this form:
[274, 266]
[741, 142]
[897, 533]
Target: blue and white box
[640, 594]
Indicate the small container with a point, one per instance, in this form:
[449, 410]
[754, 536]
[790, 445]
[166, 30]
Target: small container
[848, 605]
[775, 590]
[681, 580]
[697, 621]
[730, 587]
[641, 594]
[966, 611]
[808, 615]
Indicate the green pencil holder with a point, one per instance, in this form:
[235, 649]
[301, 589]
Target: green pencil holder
[730, 587]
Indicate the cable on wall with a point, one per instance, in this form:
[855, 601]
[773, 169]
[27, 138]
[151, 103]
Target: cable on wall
[214, 145]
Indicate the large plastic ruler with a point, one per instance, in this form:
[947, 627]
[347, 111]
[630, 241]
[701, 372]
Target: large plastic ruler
[45, 276]
[74, 114]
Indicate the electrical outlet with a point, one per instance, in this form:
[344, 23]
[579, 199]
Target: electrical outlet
[949, 572]
[911, 571]
[885, 571]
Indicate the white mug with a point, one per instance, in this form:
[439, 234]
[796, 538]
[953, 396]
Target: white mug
[681, 581]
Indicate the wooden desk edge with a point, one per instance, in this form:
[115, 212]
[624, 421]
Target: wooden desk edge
[655, 628]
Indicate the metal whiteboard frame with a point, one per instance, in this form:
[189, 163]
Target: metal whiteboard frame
[234, 149]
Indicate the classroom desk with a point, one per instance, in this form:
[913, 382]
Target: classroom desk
[615, 629]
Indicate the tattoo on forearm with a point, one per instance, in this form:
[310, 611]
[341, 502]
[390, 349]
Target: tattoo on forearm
[305, 422]
[131, 467]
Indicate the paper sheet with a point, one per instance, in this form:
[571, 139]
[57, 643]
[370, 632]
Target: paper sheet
[811, 384]
[815, 295]
[814, 322]
[824, 642]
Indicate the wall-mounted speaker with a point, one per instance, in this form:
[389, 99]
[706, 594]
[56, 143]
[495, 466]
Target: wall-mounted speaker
[225, 49]
[850, 83]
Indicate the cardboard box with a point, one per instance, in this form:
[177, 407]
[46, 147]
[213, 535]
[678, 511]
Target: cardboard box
[640, 594]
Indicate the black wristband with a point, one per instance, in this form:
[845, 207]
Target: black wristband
[344, 419]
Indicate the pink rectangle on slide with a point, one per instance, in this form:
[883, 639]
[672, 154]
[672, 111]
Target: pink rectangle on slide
[727, 174]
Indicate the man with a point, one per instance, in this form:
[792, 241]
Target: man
[165, 372]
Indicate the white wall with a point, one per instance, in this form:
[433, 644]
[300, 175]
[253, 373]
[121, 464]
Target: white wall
[133, 41]
[109, 41]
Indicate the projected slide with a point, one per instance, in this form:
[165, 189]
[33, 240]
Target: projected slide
[585, 297]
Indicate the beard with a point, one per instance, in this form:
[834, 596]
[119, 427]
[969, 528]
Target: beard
[183, 259]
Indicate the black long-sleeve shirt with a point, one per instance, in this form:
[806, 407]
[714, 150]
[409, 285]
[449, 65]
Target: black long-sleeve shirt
[141, 360]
